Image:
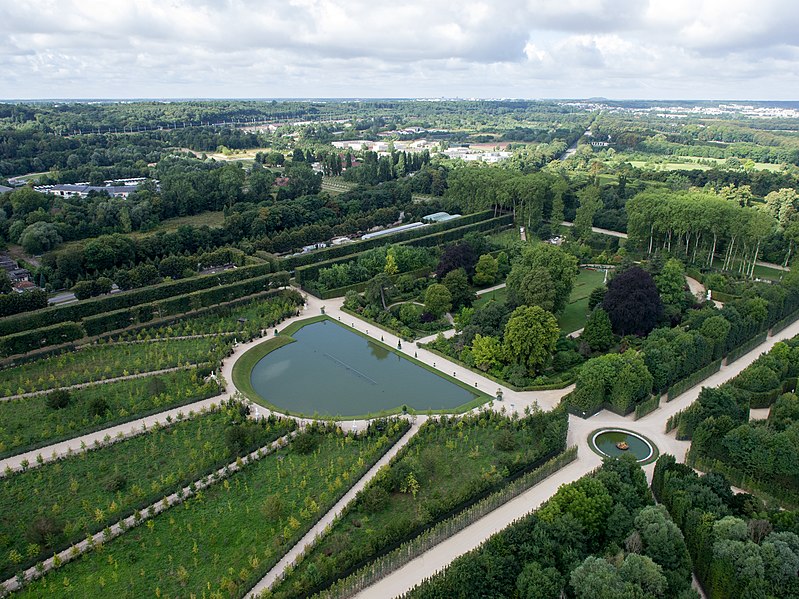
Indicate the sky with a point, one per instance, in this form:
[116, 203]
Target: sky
[647, 49]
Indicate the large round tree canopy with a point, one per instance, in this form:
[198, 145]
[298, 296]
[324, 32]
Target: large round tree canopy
[632, 302]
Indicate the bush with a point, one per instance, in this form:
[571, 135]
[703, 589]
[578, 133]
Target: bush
[305, 443]
[45, 531]
[58, 399]
[374, 499]
[97, 406]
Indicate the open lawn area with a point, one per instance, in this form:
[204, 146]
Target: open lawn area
[498, 295]
[576, 312]
[692, 164]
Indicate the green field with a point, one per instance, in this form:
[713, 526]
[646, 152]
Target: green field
[47, 508]
[576, 312]
[498, 295]
[692, 164]
[222, 541]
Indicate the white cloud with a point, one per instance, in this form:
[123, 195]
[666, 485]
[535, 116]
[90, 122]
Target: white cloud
[283, 48]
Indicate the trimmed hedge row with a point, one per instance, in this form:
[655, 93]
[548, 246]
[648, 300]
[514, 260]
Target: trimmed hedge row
[98, 324]
[745, 348]
[311, 272]
[645, 407]
[79, 310]
[784, 323]
[338, 251]
[695, 378]
[120, 319]
[722, 297]
[359, 287]
[19, 343]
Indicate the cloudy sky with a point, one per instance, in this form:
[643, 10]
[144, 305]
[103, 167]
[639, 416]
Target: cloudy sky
[667, 49]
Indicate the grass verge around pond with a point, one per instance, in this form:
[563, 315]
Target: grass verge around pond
[242, 372]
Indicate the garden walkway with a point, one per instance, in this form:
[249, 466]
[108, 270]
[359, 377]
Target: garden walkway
[329, 518]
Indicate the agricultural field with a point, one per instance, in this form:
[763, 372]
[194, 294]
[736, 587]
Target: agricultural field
[448, 465]
[107, 360]
[31, 422]
[46, 508]
[222, 541]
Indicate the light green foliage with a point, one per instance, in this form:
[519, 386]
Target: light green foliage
[437, 299]
[619, 379]
[527, 283]
[486, 270]
[487, 352]
[530, 337]
[671, 283]
[590, 204]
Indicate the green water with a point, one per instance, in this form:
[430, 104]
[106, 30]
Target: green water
[331, 371]
[606, 443]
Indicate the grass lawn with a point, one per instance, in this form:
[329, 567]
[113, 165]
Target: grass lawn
[105, 361]
[222, 541]
[576, 312]
[28, 423]
[444, 468]
[211, 219]
[692, 164]
[82, 494]
[498, 295]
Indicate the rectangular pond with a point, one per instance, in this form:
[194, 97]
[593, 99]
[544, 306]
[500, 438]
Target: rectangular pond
[332, 371]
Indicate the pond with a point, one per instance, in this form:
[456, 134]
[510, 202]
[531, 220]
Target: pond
[610, 443]
[332, 371]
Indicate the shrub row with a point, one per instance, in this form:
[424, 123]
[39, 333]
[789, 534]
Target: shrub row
[79, 310]
[119, 319]
[359, 287]
[693, 379]
[304, 274]
[746, 347]
[645, 407]
[23, 342]
[784, 323]
[338, 251]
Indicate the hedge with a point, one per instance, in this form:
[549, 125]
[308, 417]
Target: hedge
[359, 287]
[720, 296]
[120, 319]
[25, 341]
[695, 378]
[338, 251]
[548, 387]
[746, 347]
[784, 323]
[107, 303]
[645, 407]
[764, 399]
[311, 271]
[95, 325]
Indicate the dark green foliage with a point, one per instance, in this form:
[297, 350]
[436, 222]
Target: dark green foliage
[97, 407]
[58, 399]
[550, 551]
[305, 443]
[598, 332]
[632, 302]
